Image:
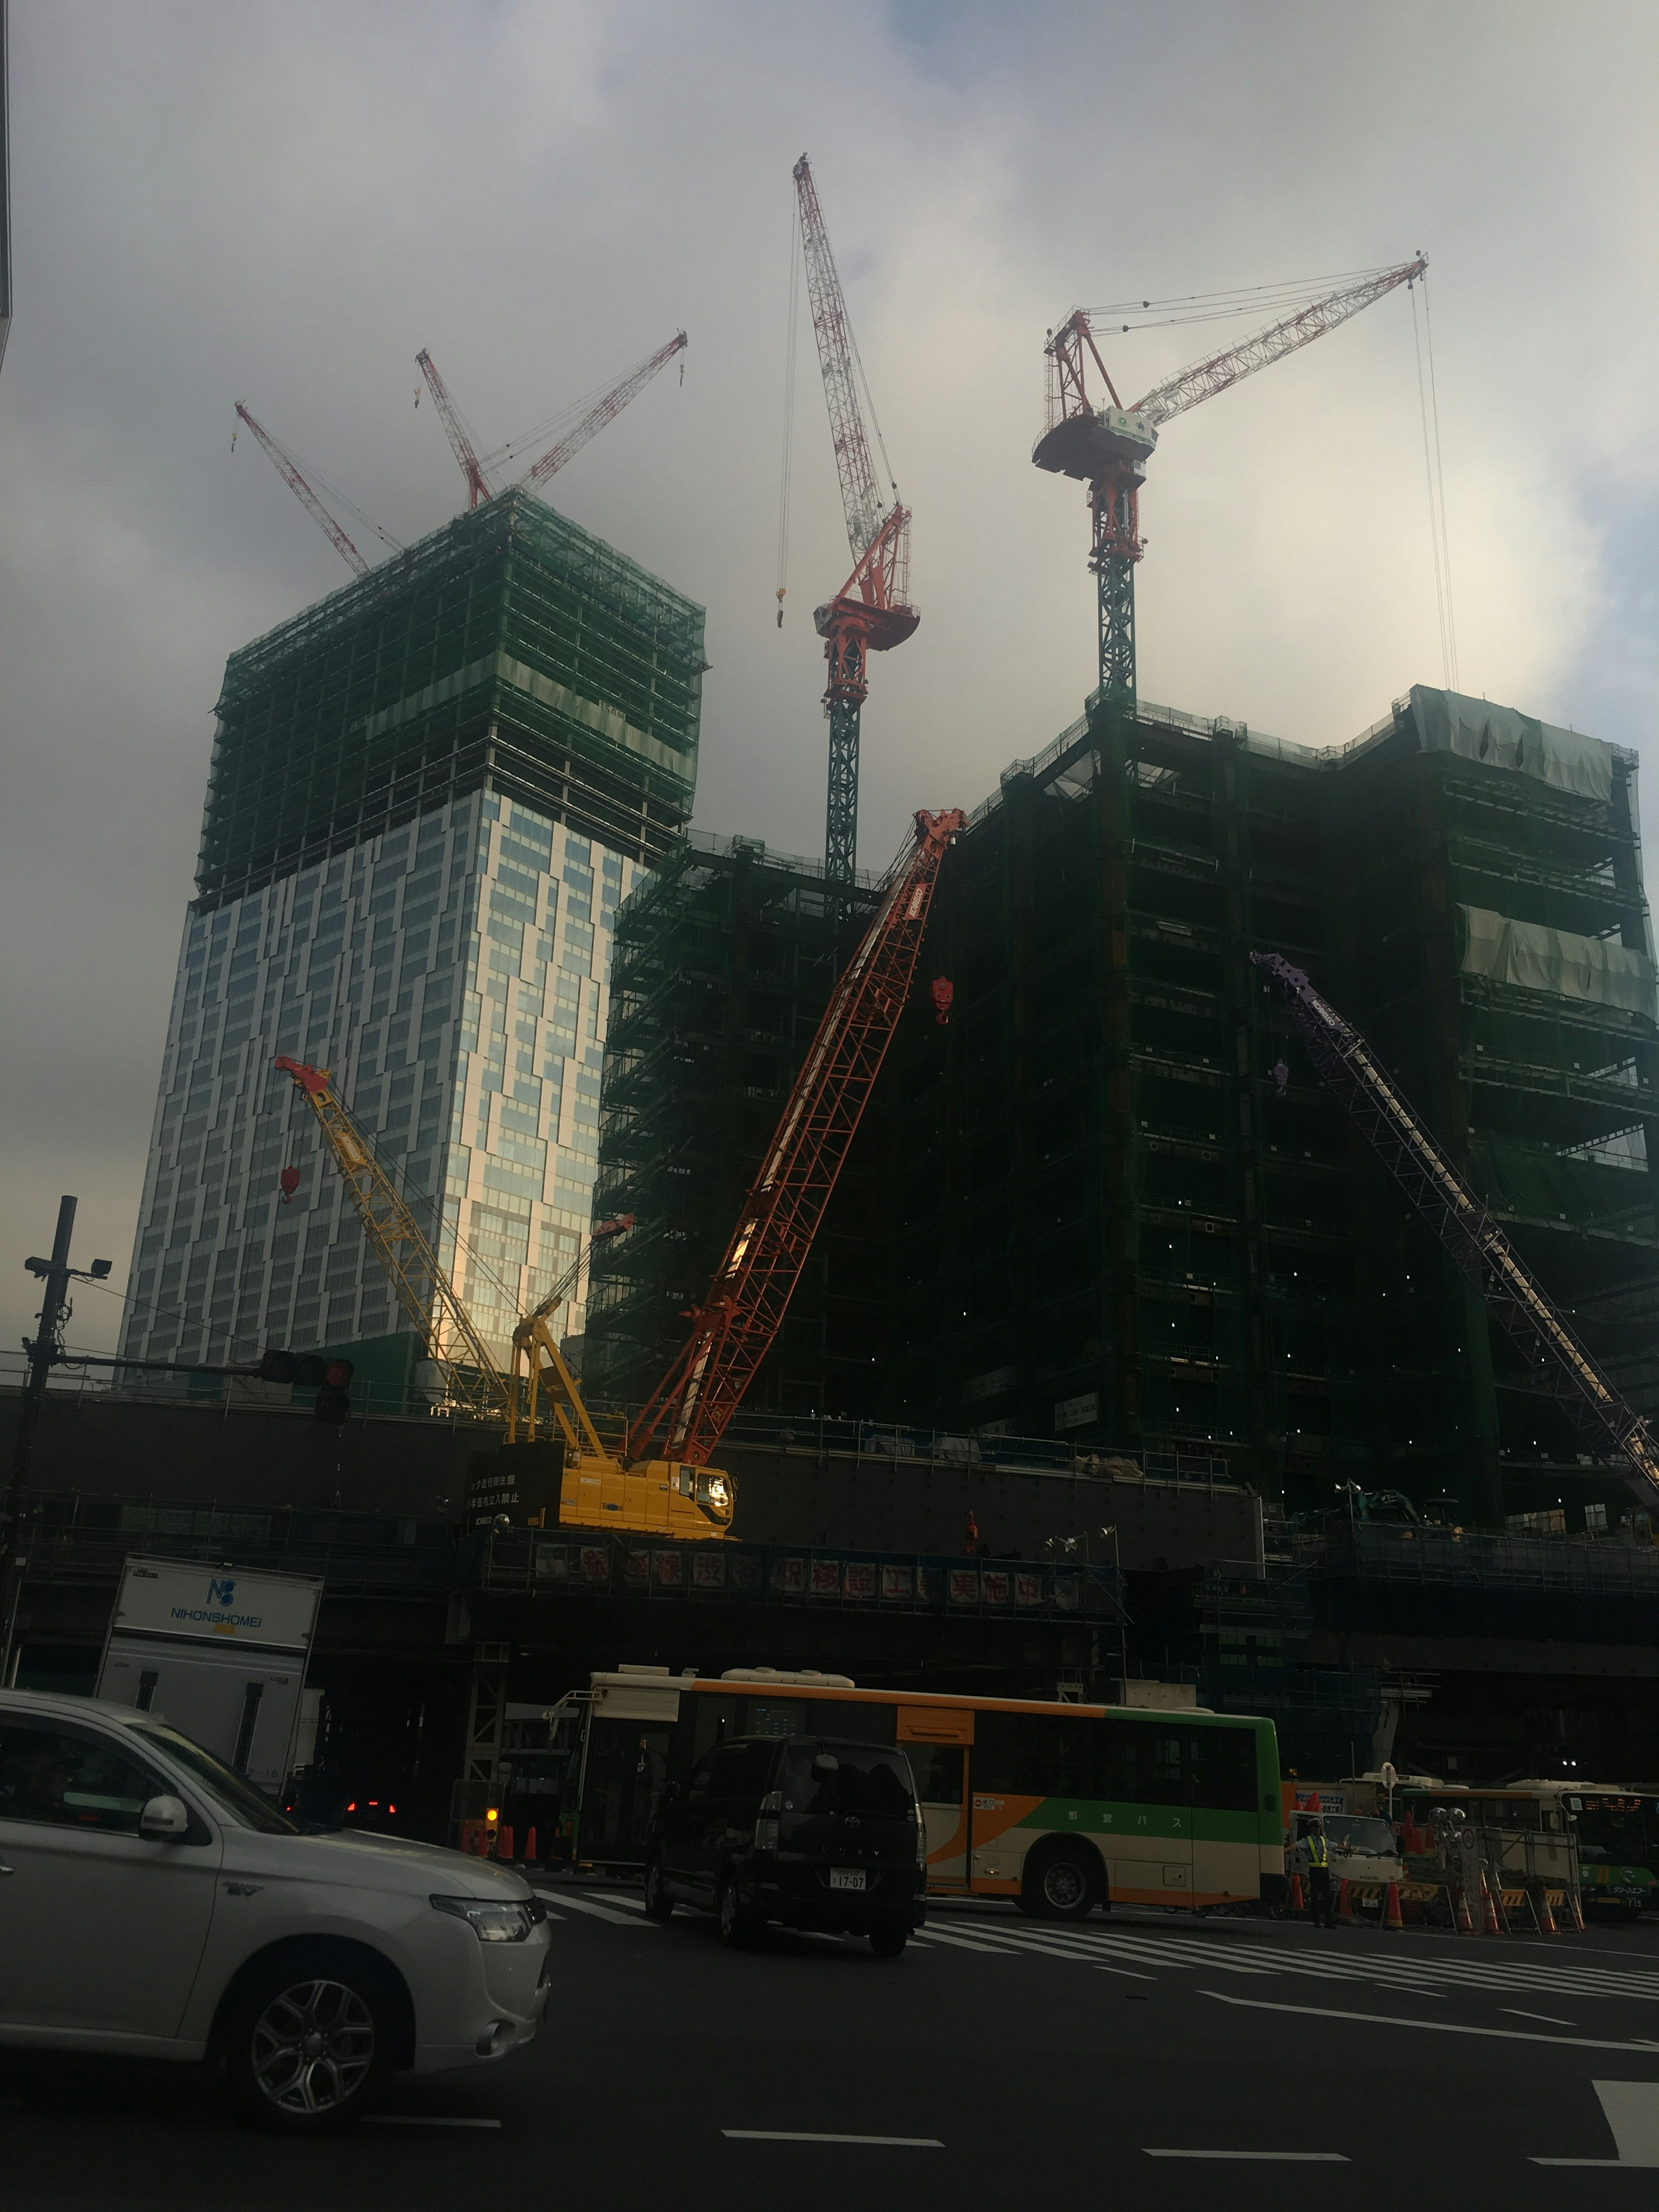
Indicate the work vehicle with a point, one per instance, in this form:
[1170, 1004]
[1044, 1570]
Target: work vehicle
[153, 1904]
[1057, 1807]
[816, 1831]
[1362, 1846]
[1613, 1832]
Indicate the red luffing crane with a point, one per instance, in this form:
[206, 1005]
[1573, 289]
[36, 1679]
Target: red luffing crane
[738, 1320]
[1106, 445]
[871, 612]
[479, 472]
[294, 477]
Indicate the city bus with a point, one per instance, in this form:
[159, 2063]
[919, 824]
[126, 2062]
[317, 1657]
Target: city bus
[1178, 1808]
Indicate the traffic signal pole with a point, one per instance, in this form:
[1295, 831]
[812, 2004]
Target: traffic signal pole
[43, 1350]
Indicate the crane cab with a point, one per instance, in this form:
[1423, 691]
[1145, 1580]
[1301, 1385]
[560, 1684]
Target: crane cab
[657, 1497]
[1095, 443]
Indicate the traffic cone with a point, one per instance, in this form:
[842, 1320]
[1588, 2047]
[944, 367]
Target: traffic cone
[1391, 1910]
[530, 1846]
[504, 1845]
[1492, 1927]
[1545, 1918]
[1345, 1903]
[1465, 1925]
[1576, 1910]
[1299, 1903]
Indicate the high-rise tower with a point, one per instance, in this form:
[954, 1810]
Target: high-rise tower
[428, 795]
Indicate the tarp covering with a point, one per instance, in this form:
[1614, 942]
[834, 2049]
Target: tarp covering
[1534, 958]
[1448, 722]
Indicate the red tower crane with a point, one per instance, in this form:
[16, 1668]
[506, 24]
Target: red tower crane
[740, 1318]
[1106, 445]
[479, 472]
[871, 612]
[294, 477]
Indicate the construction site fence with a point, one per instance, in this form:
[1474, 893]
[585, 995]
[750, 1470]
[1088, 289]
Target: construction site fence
[566, 1563]
[1367, 1551]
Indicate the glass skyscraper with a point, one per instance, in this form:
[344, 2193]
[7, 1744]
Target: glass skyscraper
[427, 796]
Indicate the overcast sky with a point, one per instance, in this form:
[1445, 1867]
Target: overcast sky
[282, 204]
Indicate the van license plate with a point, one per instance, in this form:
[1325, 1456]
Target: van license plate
[847, 1877]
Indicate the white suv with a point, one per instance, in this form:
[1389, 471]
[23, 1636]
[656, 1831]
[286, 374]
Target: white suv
[153, 1903]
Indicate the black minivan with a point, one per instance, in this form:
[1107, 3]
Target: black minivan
[803, 1831]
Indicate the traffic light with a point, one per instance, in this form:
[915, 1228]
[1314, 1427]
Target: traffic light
[331, 1378]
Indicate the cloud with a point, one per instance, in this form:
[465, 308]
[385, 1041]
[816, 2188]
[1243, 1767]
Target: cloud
[283, 204]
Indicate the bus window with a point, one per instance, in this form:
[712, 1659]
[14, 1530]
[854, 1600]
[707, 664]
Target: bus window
[1143, 1765]
[1222, 1768]
[938, 1770]
[713, 1717]
[1035, 1754]
[780, 1717]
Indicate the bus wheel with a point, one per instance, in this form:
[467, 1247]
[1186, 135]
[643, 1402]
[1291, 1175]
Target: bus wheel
[1060, 1884]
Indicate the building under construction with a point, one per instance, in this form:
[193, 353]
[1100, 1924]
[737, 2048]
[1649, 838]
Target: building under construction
[1109, 1202]
[429, 795]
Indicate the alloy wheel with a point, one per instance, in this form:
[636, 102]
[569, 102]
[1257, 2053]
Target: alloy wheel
[313, 2045]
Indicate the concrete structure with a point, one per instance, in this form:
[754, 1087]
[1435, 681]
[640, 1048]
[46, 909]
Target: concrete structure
[429, 795]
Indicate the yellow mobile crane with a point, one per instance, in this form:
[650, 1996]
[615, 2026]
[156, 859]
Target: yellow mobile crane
[598, 1489]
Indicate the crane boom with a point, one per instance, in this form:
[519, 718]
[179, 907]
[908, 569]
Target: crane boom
[290, 470]
[1107, 446]
[740, 1319]
[871, 612]
[538, 1368]
[1206, 378]
[1349, 1069]
[460, 438]
[605, 411]
[472, 1380]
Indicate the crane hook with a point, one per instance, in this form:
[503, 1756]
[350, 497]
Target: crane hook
[782, 589]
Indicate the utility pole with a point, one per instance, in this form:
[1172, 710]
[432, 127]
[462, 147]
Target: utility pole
[44, 1350]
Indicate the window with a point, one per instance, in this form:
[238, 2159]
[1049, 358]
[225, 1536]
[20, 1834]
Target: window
[1143, 1764]
[741, 1772]
[1222, 1768]
[938, 1770]
[229, 1793]
[1038, 1754]
[68, 1780]
[858, 1779]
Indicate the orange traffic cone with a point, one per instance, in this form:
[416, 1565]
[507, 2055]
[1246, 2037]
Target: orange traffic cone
[1465, 1925]
[1391, 1910]
[504, 1843]
[1577, 1909]
[1299, 1903]
[1546, 1918]
[1345, 1903]
[530, 1846]
[1492, 1927]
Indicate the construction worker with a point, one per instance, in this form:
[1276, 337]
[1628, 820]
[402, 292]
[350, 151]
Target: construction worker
[1321, 1905]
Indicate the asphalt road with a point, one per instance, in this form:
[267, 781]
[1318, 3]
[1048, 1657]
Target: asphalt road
[1190, 2062]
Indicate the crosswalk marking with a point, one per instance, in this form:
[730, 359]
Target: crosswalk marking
[597, 1911]
[1430, 2026]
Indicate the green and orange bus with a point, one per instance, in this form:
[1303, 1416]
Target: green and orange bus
[1177, 1809]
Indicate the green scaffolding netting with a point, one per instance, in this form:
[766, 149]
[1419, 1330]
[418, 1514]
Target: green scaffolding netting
[1534, 958]
[1448, 722]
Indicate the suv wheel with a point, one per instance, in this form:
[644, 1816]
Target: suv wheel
[738, 1928]
[888, 1942]
[1062, 1885]
[306, 2041]
[658, 1904]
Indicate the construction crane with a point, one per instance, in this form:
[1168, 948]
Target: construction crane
[1351, 1072]
[532, 1338]
[598, 1489]
[738, 1320]
[871, 612]
[1106, 445]
[294, 477]
[479, 473]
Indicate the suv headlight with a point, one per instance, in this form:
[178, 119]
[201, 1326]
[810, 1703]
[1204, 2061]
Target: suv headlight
[492, 1921]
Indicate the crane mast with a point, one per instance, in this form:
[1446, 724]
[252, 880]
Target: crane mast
[740, 1318]
[870, 613]
[1351, 1071]
[290, 470]
[1106, 445]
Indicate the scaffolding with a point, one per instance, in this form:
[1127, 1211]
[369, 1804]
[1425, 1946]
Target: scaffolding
[509, 644]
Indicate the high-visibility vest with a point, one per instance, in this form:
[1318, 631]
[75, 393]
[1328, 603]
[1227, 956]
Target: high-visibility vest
[1318, 1855]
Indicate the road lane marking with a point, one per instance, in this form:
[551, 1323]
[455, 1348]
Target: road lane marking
[597, 1911]
[797, 2134]
[1284, 2157]
[1553, 2018]
[423, 2120]
[1431, 2027]
[1631, 2111]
